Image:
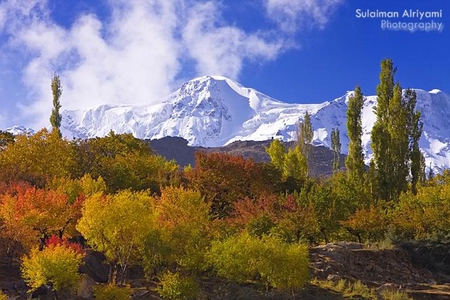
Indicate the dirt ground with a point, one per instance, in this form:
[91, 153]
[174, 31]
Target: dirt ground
[387, 268]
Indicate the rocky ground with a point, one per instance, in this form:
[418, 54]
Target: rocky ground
[420, 270]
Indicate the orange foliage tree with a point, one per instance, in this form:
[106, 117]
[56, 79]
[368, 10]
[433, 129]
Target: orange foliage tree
[280, 216]
[30, 215]
[224, 179]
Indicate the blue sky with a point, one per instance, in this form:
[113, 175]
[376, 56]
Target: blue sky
[138, 51]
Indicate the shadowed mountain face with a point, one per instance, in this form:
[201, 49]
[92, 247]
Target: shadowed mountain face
[320, 163]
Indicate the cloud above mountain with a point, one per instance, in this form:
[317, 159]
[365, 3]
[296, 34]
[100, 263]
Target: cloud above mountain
[137, 52]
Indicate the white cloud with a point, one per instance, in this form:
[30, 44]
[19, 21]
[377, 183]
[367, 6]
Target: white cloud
[136, 54]
[292, 15]
[221, 49]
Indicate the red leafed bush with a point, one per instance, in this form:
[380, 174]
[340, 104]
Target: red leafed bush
[54, 241]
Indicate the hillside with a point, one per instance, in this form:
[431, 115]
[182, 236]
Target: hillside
[178, 149]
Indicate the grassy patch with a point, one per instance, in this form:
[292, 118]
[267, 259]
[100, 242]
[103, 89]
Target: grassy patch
[358, 290]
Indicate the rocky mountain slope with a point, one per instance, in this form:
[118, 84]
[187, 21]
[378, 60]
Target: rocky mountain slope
[320, 161]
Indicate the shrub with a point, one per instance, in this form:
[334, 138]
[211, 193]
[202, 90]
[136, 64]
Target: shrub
[176, 287]
[278, 264]
[56, 265]
[112, 292]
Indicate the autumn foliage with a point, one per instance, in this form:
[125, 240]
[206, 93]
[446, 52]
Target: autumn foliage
[227, 216]
[223, 179]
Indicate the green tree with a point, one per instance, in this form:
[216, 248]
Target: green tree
[306, 130]
[395, 136]
[336, 147]
[355, 159]
[55, 117]
[305, 137]
[399, 147]
[292, 165]
[415, 124]
[295, 164]
[380, 133]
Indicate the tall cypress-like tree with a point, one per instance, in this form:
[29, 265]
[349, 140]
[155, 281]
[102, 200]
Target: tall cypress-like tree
[380, 133]
[415, 124]
[355, 159]
[305, 137]
[395, 137]
[336, 147]
[55, 117]
[399, 133]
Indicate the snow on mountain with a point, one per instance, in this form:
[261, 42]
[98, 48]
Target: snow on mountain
[18, 130]
[207, 111]
[213, 111]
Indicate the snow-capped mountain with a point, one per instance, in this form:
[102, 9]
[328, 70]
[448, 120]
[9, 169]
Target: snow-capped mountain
[18, 130]
[207, 111]
[213, 111]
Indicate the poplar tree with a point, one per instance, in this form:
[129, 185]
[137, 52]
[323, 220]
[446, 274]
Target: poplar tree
[380, 133]
[305, 137]
[355, 159]
[416, 127]
[306, 130]
[55, 117]
[395, 137]
[336, 147]
[399, 133]
[276, 153]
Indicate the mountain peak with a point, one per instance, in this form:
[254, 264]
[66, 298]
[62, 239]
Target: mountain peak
[435, 91]
[19, 130]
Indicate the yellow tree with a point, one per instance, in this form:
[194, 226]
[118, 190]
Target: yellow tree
[56, 265]
[182, 217]
[37, 159]
[116, 225]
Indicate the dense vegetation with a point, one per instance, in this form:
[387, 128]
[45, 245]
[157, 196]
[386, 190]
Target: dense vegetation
[226, 217]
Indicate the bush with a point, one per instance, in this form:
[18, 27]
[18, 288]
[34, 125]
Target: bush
[3, 296]
[112, 292]
[278, 264]
[176, 287]
[56, 265]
